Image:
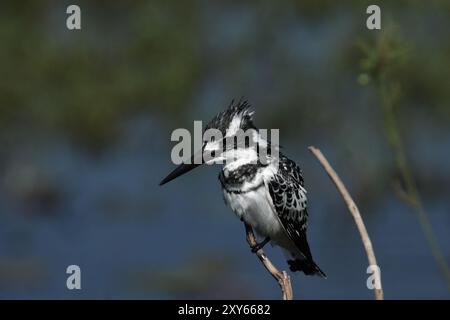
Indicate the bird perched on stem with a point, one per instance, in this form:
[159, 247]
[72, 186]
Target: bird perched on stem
[268, 195]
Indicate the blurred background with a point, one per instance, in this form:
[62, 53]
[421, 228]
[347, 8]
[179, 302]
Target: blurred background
[85, 124]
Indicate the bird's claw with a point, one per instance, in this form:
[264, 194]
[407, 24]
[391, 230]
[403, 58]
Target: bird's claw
[260, 245]
[255, 248]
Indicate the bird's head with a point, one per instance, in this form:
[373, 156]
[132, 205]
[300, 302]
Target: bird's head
[229, 137]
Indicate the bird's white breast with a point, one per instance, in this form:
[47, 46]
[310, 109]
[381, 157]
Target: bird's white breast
[255, 208]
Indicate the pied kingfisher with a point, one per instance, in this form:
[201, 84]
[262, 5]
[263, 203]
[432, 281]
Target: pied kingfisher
[270, 197]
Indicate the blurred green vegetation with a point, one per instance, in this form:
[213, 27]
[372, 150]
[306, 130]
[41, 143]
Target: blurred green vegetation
[151, 56]
[84, 83]
[418, 73]
[385, 63]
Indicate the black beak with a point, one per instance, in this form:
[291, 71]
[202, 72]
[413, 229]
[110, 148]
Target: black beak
[184, 168]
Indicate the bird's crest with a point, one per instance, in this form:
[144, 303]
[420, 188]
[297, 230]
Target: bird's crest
[238, 115]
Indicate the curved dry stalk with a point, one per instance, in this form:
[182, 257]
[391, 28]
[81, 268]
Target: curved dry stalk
[354, 212]
[281, 276]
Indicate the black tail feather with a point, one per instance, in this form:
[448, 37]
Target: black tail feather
[308, 267]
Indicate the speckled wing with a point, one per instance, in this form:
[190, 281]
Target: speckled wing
[289, 198]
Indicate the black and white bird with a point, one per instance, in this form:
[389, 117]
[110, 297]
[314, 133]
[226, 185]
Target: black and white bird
[270, 196]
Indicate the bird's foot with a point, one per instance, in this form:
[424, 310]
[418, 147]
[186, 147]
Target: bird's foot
[260, 245]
